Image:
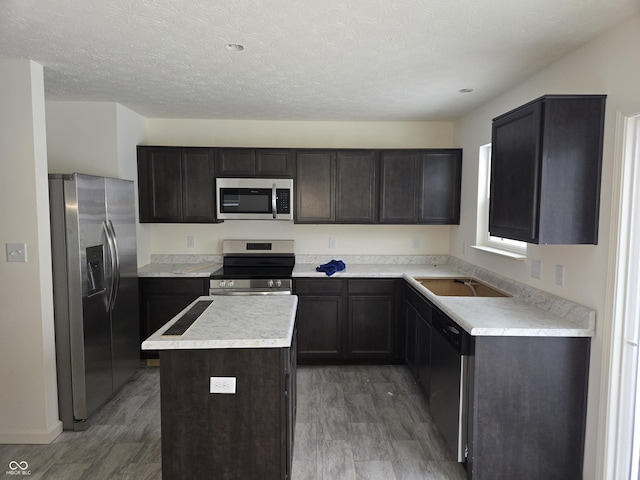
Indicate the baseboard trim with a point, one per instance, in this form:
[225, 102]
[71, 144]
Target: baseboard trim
[31, 437]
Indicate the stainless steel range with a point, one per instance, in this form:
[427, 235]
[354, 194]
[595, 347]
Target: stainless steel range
[254, 267]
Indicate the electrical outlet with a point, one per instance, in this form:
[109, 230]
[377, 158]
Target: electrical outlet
[222, 385]
[333, 243]
[560, 275]
[415, 242]
[191, 241]
[536, 268]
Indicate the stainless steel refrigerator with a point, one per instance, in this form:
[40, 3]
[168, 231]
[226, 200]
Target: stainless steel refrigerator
[95, 289]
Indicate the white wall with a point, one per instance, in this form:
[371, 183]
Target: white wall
[28, 397]
[609, 65]
[310, 239]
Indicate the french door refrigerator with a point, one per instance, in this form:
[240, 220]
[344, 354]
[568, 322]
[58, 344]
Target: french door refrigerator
[95, 289]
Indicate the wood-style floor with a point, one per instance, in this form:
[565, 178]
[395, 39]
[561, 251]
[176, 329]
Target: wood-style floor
[354, 422]
[366, 422]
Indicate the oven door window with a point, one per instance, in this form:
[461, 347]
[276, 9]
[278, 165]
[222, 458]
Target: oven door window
[245, 200]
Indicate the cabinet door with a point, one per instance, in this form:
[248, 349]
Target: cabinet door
[371, 326]
[411, 339]
[236, 162]
[160, 184]
[513, 211]
[272, 162]
[162, 299]
[319, 323]
[371, 318]
[399, 186]
[441, 174]
[315, 184]
[423, 356]
[356, 187]
[198, 192]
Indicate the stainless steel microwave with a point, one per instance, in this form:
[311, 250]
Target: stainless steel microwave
[254, 198]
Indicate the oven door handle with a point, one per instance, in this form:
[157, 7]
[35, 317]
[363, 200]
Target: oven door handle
[274, 209]
[248, 292]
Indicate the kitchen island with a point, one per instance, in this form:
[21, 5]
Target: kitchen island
[243, 350]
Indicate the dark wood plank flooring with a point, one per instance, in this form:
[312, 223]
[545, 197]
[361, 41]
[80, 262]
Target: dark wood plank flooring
[354, 422]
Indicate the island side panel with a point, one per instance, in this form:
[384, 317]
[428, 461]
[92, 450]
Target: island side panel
[207, 435]
[529, 407]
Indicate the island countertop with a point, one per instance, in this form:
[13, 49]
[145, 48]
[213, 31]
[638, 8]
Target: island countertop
[249, 321]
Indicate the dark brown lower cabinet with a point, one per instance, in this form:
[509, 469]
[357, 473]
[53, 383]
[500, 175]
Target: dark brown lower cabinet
[244, 435]
[320, 318]
[526, 398]
[418, 338]
[162, 298]
[528, 415]
[347, 320]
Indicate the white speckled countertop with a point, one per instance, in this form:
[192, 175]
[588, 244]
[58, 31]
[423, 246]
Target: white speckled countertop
[204, 269]
[254, 321]
[528, 312]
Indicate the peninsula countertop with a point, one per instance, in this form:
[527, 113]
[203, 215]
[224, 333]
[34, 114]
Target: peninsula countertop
[253, 321]
[527, 312]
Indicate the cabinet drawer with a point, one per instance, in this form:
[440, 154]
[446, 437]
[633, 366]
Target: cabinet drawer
[174, 286]
[318, 286]
[373, 287]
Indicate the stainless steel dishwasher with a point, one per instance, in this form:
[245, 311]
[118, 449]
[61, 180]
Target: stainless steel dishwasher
[450, 348]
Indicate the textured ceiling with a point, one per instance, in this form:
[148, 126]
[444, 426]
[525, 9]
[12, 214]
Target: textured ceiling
[303, 59]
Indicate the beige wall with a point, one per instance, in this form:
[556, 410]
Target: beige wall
[81, 137]
[310, 239]
[28, 396]
[609, 65]
[97, 138]
[254, 133]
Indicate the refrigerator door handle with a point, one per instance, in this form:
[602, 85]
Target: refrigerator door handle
[112, 265]
[116, 264]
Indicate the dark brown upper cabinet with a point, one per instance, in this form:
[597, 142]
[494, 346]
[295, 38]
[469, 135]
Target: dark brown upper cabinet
[337, 186]
[176, 184]
[546, 163]
[315, 186]
[420, 186]
[356, 186]
[399, 186]
[440, 179]
[251, 162]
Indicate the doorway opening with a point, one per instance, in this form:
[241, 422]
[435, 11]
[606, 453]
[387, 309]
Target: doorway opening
[622, 453]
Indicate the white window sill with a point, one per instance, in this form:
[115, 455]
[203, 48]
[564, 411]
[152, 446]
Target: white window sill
[497, 251]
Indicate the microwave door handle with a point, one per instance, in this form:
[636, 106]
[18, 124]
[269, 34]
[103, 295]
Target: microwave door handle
[273, 200]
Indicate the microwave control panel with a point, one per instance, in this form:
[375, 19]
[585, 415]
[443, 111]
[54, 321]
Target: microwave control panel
[283, 200]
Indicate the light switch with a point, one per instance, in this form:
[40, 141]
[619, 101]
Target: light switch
[16, 252]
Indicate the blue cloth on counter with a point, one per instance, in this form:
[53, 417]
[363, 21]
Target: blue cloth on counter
[332, 267]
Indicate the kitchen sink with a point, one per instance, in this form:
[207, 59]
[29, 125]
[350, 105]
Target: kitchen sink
[459, 287]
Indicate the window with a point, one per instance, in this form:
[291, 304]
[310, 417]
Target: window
[484, 241]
